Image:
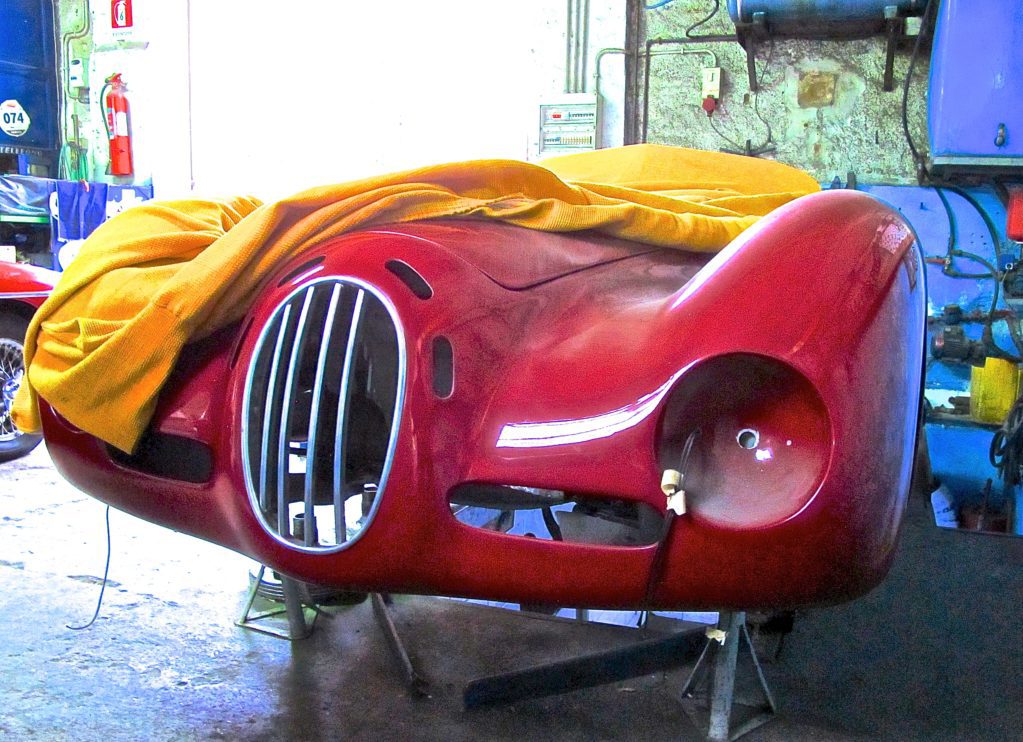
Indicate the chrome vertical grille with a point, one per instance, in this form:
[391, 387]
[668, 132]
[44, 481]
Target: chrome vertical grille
[323, 400]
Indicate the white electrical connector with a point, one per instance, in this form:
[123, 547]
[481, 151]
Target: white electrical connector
[711, 87]
[671, 486]
[76, 74]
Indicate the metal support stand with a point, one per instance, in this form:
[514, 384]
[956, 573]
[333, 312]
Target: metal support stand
[587, 671]
[713, 706]
[298, 608]
[413, 680]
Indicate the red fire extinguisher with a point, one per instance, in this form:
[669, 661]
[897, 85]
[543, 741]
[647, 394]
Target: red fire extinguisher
[115, 105]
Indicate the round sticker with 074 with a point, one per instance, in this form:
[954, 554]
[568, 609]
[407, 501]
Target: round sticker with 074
[14, 120]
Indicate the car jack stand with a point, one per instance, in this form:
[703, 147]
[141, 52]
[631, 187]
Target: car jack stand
[297, 607]
[713, 706]
[586, 671]
[416, 684]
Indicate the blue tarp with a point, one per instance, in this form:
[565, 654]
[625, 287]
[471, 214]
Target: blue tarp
[77, 209]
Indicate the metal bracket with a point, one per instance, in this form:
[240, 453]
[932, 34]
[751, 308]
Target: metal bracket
[713, 705]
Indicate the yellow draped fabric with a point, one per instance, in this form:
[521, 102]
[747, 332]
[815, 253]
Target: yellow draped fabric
[164, 273]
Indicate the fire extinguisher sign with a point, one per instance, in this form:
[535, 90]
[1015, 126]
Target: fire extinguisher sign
[14, 121]
[121, 18]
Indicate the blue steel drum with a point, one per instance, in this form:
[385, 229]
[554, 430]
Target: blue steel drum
[794, 12]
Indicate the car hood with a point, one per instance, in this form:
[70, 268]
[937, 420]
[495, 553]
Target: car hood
[519, 259]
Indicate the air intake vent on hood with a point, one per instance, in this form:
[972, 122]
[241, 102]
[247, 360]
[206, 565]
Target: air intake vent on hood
[322, 406]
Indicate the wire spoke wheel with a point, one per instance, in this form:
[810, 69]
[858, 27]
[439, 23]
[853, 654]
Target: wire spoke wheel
[12, 368]
[13, 443]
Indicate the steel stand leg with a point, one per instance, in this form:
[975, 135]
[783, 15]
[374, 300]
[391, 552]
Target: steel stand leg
[298, 626]
[724, 644]
[415, 683]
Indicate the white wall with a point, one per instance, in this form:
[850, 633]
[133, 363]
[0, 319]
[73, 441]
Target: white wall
[286, 96]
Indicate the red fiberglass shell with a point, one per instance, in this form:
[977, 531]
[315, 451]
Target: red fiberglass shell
[25, 284]
[791, 362]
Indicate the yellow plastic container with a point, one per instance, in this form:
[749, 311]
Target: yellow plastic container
[993, 389]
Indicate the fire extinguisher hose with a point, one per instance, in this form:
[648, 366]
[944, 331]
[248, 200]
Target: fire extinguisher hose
[102, 107]
[103, 114]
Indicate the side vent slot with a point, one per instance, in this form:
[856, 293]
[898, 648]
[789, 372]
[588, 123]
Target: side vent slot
[304, 268]
[168, 457]
[557, 516]
[410, 277]
[443, 367]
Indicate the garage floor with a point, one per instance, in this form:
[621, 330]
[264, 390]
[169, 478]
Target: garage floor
[935, 653]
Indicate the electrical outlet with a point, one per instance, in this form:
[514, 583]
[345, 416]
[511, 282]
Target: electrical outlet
[711, 87]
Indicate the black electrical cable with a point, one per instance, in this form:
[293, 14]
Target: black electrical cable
[717, 131]
[918, 163]
[1006, 451]
[552, 524]
[103, 586]
[996, 246]
[702, 21]
[988, 221]
[952, 252]
[660, 554]
[756, 95]
[760, 148]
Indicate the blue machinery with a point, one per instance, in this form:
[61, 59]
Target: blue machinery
[28, 87]
[974, 274]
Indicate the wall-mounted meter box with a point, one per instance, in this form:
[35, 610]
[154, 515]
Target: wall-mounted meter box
[569, 123]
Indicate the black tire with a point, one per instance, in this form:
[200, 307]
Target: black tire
[13, 443]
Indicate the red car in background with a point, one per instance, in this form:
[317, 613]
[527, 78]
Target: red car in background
[22, 289]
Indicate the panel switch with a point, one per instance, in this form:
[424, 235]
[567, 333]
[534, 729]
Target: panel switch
[711, 83]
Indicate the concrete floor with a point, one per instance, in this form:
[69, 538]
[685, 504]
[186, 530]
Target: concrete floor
[934, 653]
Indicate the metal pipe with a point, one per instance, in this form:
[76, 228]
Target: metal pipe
[188, 75]
[596, 65]
[569, 35]
[683, 41]
[683, 51]
[63, 81]
[584, 46]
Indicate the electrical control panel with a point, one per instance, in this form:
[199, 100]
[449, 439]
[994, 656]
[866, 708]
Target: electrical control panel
[569, 123]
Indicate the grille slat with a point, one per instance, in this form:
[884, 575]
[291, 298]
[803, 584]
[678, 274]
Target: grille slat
[343, 408]
[283, 443]
[270, 409]
[327, 378]
[327, 333]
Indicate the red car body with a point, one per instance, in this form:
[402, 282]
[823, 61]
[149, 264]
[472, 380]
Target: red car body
[577, 366]
[22, 289]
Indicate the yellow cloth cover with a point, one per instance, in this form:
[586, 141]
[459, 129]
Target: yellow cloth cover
[163, 273]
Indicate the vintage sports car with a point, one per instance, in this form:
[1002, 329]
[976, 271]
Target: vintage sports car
[728, 431]
[22, 289]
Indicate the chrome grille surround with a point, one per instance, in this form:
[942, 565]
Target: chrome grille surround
[340, 309]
